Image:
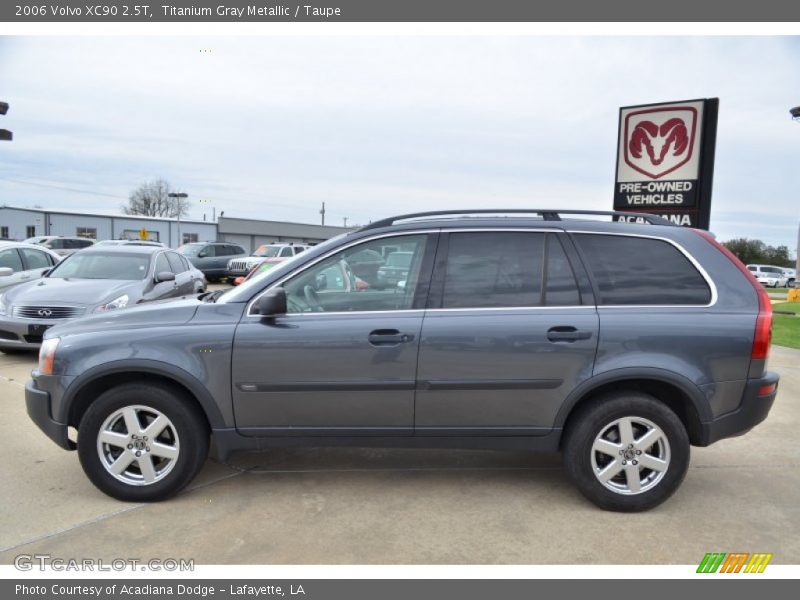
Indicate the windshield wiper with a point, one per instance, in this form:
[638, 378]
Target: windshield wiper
[211, 296]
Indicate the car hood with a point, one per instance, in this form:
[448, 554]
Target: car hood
[166, 312]
[86, 292]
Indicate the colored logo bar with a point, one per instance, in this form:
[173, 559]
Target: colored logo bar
[735, 562]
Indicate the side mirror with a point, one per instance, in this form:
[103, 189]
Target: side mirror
[202, 254]
[6, 271]
[272, 303]
[165, 276]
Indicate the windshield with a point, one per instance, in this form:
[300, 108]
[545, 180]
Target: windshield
[243, 292]
[190, 249]
[268, 251]
[102, 266]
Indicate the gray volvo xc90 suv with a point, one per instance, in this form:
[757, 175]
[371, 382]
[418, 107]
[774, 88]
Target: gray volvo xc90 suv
[618, 344]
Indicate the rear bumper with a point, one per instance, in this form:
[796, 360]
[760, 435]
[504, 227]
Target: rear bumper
[38, 404]
[753, 409]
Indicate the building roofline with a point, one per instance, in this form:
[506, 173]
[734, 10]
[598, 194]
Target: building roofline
[106, 215]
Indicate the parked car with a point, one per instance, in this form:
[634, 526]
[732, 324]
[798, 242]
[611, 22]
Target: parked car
[21, 262]
[619, 344]
[268, 253]
[129, 243]
[211, 257]
[769, 275]
[61, 245]
[95, 280]
[395, 269]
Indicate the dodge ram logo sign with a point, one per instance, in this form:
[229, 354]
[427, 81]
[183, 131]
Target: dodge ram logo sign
[665, 160]
[659, 141]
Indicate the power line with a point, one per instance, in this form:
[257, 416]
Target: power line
[58, 187]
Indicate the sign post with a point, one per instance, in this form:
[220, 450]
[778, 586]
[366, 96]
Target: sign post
[665, 160]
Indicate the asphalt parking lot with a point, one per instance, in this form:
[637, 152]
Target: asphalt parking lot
[344, 506]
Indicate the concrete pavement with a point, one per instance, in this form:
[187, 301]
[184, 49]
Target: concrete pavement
[354, 506]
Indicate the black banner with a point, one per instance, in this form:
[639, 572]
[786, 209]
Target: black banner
[399, 11]
[419, 589]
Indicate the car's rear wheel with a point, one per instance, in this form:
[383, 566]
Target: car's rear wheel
[142, 442]
[626, 451]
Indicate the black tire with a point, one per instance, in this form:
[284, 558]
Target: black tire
[185, 420]
[598, 416]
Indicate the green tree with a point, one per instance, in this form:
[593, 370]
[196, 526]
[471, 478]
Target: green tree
[757, 252]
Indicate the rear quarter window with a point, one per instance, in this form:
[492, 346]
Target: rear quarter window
[641, 271]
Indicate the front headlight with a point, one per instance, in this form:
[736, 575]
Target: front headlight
[47, 355]
[116, 303]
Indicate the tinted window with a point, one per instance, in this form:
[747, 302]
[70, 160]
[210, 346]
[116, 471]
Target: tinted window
[175, 262]
[298, 249]
[287, 252]
[36, 259]
[631, 270]
[10, 259]
[162, 264]
[206, 251]
[55, 244]
[238, 250]
[493, 269]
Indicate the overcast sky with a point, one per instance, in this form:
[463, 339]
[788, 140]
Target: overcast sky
[270, 127]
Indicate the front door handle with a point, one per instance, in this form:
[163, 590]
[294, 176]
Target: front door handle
[567, 334]
[388, 337]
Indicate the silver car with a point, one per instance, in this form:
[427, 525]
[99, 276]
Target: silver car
[21, 262]
[92, 281]
[61, 245]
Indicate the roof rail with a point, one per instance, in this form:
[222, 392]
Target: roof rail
[547, 214]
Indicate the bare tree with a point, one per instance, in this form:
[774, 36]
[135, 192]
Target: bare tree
[152, 199]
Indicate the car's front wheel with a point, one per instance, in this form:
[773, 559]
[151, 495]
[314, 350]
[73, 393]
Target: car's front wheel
[142, 442]
[626, 451]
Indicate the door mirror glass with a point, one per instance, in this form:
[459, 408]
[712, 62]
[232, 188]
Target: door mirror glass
[272, 303]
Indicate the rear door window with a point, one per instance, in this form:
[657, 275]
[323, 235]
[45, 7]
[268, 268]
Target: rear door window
[505, 269]
[641, 271]
[175, 263]
[36, 259]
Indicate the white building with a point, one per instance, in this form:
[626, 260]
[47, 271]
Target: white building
[21, 223]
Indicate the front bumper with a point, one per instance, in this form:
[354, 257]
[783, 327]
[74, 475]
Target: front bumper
[38, 404]
[24, 333]
[753, 409]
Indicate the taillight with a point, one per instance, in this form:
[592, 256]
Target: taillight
[763, 333]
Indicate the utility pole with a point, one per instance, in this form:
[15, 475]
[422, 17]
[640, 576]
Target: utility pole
[345, 221]
[795, 112]
[322, 212]
[179, 196]
[5, 134]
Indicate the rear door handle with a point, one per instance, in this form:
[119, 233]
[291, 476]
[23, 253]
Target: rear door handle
[388, 337]
[567, 334]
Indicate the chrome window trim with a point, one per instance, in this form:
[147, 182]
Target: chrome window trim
[679, 247]
[711, 286]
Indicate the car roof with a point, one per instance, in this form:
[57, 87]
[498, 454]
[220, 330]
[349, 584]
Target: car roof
[10, 243]
[122, 249]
